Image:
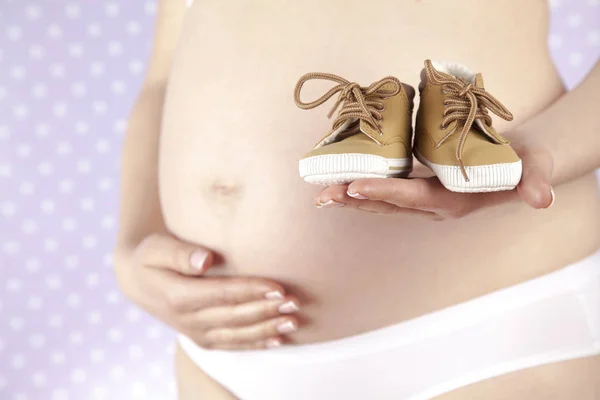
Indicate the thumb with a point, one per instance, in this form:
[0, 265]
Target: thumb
[535, 188]
[165, 251]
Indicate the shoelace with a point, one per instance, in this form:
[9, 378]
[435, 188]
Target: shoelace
[466, 103]
[362, 103]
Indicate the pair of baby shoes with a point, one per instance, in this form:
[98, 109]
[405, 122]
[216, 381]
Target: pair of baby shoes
[372, 135]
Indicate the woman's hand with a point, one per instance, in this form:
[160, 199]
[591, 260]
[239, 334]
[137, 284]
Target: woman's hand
[164, 276]
[426, 197]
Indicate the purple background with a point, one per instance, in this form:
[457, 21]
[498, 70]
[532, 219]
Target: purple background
[69, 72]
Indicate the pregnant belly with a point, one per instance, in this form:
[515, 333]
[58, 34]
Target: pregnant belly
[228, 169]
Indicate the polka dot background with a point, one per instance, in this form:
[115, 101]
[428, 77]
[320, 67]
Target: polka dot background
[69, 72]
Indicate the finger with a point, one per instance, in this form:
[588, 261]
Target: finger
[535, 188]
[424, 194]
[164, 251]
[253, 333]
[334, 195]
[222, 291]
[244, 314]
[270, 343]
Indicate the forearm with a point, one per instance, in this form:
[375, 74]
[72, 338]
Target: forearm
[140, 212]
[569, 130]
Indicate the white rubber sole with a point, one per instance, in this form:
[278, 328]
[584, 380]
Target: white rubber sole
[336, 169]
[482, 178]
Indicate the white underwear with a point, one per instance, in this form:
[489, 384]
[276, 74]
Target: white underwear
[552, 318]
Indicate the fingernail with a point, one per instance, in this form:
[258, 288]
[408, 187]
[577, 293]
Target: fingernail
[286, 327]
[553, 197]
[274, 295]
[330, 204]
[197, 259]
[288, 308]
[273, 343]
[357, 196]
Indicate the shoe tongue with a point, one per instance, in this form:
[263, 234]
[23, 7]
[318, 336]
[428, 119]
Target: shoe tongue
[478, 81]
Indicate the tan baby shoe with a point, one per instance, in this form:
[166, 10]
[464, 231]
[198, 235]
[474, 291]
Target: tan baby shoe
[370, 137]
[454, 136]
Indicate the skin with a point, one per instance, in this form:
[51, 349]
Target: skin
[205, 184]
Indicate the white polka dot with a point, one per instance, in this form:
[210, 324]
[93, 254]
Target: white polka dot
[74, 300]
[153, 332]
[87, 204]
[29, 227]
[47, 206]
[575, 59]
[23, 150]
[156, 370]
[18, 72]
[33, 12]
[66, 186]
[79, 89]
[72, 11]
[3, 382]
[16, 323]
[69, 224]
[32, 265]
[94, 318]
[107, 260]
[82, 128]
[19, 396]
[39, 379]
[133, 315]
[99, 107]
[37, 341]
[118, 87]
[5, 171]
[574, 20]
[84, 166]
[94, 30]
[593, 38]
[71, 261]
[18, 361]
[554, 4]
[115, 335]
[113, 297]
[76, 337]
[60, 394]
[97, 356]
[117, 372]
[34, 303]
[26, 188]
[134, 28]
[112, 9]
[8, 209]
[58, 357]
[99, 393]
[138, 389]
[97, 69]
[135, 352]
[115, 48]
[120, 125]
[593, 3]
[102, 146]
[64, 148]
[20, 111]
[75, 50]
[42, 130]
[92, 279]
[13, 285]
[11, 247]
[136, 67]
[50, 245]
[45, 169]
[105, 184]
[55, 321]
[150, 7]
[14, 33]
[108, 222]
[36, 52]
[57, 71]
[59, 109]
[4, 132]
[54, 31]
[53, 282]
[78, 376]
